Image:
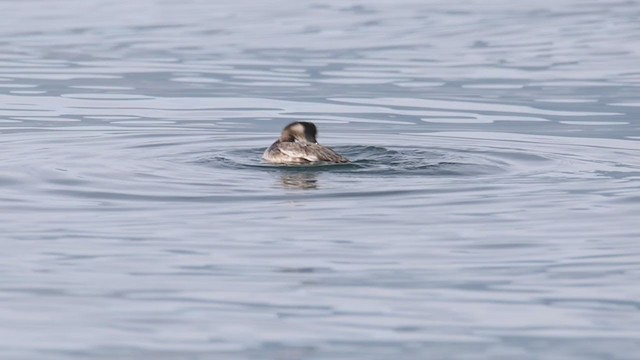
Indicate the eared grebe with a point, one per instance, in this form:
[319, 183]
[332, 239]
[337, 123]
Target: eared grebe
[298, 145]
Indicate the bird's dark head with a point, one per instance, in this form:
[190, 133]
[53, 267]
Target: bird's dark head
[300, 131]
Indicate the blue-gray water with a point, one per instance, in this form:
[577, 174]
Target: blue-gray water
[492, 209]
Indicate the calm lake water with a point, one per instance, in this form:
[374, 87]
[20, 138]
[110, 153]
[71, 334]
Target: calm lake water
[491, 211]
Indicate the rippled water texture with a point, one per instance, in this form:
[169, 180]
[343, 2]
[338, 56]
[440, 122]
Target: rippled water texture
[491, 209]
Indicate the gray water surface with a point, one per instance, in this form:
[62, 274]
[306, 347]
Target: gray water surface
[490, 211]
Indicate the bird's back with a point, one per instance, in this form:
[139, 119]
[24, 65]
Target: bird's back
[299, 153]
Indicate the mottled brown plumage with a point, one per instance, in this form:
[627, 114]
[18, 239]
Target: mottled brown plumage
[298, 145]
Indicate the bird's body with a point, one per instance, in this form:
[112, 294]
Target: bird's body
[298, 145]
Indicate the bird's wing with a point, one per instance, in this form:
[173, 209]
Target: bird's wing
[311, 152]
[296, 150]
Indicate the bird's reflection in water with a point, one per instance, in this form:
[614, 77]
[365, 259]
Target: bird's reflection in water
[299, 180]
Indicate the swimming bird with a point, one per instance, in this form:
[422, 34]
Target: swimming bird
[298, 145]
